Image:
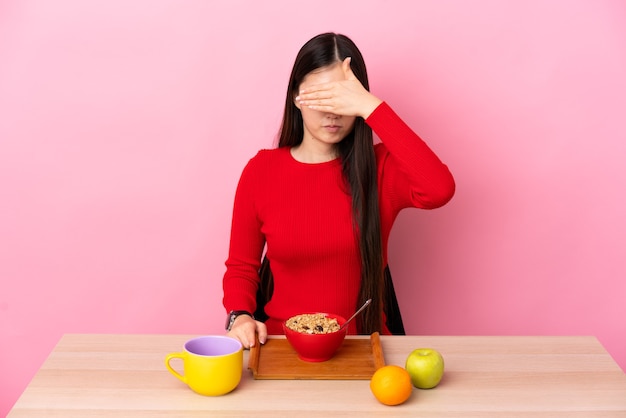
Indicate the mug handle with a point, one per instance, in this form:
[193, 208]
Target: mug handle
[171, 356]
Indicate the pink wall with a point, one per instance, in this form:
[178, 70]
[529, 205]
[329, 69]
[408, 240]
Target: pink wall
[124, 127]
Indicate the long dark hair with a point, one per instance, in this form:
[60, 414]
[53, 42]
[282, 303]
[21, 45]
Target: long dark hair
[358, 164]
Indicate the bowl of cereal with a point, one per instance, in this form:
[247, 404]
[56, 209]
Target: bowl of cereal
[315, 336]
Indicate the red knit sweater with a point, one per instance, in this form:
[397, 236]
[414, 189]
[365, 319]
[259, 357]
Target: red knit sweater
[302, 212]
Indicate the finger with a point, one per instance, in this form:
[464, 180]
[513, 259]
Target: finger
[242, 340]
[325, 109]
[316, 92]
[347, 70]
[250, 337]
[262, 331]
[314, 100]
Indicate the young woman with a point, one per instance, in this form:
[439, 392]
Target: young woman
[320, 207]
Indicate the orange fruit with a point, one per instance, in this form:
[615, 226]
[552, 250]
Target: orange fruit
[391, 385]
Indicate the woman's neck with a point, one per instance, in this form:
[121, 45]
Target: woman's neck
[305, 153]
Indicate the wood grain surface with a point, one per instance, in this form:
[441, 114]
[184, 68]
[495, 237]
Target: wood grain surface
[94, 375]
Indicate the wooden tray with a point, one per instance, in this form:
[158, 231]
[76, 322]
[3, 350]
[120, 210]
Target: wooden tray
[356, 359]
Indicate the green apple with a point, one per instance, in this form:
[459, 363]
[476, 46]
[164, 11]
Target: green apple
[425, 366]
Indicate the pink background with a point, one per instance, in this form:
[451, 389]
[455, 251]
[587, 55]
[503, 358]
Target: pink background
[124, 126]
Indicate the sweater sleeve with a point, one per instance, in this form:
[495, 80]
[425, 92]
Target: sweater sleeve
[410, 171]
[241, 279]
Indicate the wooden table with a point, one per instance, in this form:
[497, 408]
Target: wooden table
[124, 376]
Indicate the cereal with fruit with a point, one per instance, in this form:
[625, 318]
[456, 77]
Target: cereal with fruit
[313, 324]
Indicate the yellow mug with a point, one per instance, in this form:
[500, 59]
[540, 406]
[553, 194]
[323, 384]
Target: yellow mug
[212, 364]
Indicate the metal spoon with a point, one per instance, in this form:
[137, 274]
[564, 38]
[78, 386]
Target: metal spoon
[367, 302]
